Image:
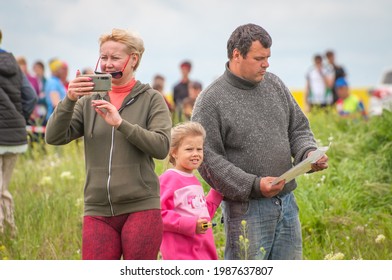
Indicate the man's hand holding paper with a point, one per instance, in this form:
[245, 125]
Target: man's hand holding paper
[268, 189]
[316, 161]
[320, 164]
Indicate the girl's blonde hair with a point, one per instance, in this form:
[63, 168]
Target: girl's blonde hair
[132, 41]
[182, 130]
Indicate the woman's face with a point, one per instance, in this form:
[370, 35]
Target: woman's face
[113, 58]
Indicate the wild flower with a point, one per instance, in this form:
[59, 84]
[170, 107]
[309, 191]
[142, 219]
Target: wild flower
[380, 238]
[244, 244]
[244, 241]
[79, 202]
[3, 252]
[46, 180]
[332, 256]
[263, 252]
[67, 175]
[360, 229]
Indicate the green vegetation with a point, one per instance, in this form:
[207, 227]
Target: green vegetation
[346, 210]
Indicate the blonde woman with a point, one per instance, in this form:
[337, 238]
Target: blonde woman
[123, 130]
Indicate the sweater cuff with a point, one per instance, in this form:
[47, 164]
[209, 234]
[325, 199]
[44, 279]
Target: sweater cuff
[256, 192]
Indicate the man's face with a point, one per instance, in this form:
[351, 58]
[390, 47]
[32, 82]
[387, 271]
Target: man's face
[318, 62]
[185, 70]
[254, 66]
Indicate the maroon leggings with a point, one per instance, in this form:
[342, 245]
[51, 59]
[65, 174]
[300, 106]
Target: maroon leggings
[135, 236]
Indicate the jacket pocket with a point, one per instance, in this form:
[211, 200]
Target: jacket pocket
[95, 190]
[237, 209]
[130, 182]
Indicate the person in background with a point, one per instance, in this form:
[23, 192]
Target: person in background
[186, 211]
[64, 75]
[158, 83]
[187, 108]
[24, 67]
[17, 101]
[255, 132]
[37, 116]
[123, 131]
[319, 84]
[194, 90]
[348, 105]
[41, 108]
[54, 87]
[39, 71]
[180, 90]
[339, 71]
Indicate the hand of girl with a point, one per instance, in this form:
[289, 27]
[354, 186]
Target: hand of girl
[199, 226]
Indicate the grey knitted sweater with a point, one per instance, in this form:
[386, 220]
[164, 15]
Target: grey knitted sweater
[253, 131]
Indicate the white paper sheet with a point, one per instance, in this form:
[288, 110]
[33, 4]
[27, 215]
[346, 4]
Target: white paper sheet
[303, 167]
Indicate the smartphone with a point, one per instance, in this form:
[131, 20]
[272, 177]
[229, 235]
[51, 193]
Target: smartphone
[102, 82]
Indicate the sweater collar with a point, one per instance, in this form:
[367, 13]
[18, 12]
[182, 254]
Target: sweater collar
[238, 82]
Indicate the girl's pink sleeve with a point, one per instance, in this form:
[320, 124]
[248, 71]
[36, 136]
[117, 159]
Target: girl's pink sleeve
[213, 199]
[173, 221]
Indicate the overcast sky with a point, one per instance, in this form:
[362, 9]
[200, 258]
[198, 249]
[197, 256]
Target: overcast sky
[197, 30]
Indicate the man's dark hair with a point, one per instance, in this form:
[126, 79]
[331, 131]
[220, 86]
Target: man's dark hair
[186, 63]
[317, 57]
[329, 53]
[243, 37]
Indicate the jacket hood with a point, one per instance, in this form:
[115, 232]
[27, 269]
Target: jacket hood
[138, 89]
[8, 64]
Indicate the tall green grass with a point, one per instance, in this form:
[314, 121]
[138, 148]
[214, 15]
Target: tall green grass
[346, 210]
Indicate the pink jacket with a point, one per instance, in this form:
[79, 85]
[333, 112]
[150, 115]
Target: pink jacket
[183, 202]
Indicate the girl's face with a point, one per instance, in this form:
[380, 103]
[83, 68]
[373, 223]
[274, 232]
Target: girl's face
[189, 155]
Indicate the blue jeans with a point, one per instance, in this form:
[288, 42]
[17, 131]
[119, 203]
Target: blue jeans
[272, 228]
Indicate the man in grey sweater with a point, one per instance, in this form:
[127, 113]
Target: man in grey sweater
[255, 132]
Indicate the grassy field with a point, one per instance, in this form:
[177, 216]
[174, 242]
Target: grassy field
[346, 210]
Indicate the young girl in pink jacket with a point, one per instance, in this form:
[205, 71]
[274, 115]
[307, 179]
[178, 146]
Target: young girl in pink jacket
[186, 211]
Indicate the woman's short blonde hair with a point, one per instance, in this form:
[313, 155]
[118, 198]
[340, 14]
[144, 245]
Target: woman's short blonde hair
[132, 41]
[182, 130]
